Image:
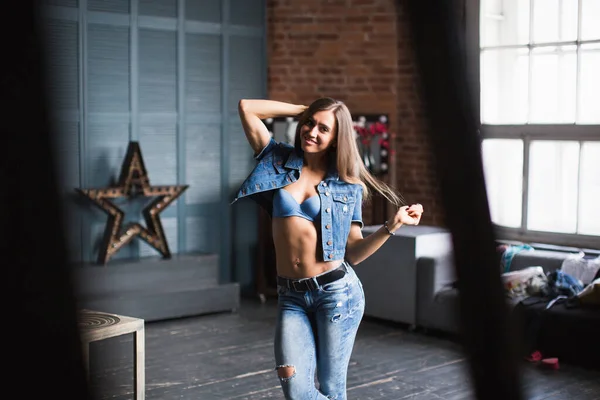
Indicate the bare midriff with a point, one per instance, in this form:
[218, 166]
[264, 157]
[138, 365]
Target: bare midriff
[296, 248]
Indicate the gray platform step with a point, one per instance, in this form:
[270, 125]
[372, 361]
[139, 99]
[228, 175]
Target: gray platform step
[145, 273]
[156, 289]
[156, 306]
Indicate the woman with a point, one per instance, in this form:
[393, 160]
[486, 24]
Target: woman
[314, 192]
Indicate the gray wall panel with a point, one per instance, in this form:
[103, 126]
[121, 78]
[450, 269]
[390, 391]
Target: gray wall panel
[248, 12]
[63, 3]
[158, 8]
[203, 234]
[241, 160]
[116, 6]
[107, 146]
[205, 10]
[203, 75]
[157, 71]
[62, 64]
[245, 70]
[108, 68]
[203, 160]
[159, 149]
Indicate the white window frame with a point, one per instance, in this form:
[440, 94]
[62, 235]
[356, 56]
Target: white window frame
[527, 133]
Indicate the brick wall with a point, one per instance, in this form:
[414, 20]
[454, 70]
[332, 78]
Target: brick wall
[358, 51]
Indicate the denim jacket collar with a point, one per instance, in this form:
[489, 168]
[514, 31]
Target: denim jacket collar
[295, 160]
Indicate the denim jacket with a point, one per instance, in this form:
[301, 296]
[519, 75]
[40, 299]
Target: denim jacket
[279, 165]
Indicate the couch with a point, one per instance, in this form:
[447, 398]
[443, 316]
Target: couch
[569, 333]
[411, 280]
[437, 297]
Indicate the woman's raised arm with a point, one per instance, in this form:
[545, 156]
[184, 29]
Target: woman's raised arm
[252, 112]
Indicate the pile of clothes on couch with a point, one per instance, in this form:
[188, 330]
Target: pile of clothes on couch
[577, 282]
[558, 311]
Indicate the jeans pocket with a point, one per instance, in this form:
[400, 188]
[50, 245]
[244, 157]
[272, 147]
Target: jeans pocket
[336, 286]
[362, 289]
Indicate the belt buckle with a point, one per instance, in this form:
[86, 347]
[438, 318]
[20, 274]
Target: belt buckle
[311, 284]
[295, 288]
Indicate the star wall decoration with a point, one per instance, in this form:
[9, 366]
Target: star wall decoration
[133, 181]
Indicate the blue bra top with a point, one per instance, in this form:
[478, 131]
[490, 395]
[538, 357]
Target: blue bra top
[284, 205]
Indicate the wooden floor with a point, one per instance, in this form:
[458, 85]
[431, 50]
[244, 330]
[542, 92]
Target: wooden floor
[230, 356]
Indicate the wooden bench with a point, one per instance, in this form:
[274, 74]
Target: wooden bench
[95, 325]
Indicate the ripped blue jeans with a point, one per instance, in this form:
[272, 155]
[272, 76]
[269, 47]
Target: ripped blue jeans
[315, 335]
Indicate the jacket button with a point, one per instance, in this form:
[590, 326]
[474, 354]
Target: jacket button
[345, 198]
[327, 226]
[328, 209]
[324, 184]
[345, 208]
[326, 193]
[329, 242]
[330, 255]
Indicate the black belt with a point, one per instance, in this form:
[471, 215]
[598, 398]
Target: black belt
[306, 284]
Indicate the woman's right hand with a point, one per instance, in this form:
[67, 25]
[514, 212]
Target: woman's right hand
[406, 215]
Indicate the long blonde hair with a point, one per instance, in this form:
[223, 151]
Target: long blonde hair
[346, 155]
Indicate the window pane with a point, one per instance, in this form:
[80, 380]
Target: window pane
[503, 168]
[554, 20]
[589, 192]
[590, 19]
[589, 84]
[504, 22]
[504, 86]
[553, 84]
[553, 168]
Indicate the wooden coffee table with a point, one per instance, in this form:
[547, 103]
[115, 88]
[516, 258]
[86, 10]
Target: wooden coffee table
[96, 325]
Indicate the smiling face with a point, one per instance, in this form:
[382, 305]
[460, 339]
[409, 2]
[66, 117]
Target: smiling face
[318, 134]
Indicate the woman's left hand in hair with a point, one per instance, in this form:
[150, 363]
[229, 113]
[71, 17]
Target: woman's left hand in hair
[409, 215]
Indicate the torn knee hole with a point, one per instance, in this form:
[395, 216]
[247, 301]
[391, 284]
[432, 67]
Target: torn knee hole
[286, 372]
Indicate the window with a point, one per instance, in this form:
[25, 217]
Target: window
[537, 71]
